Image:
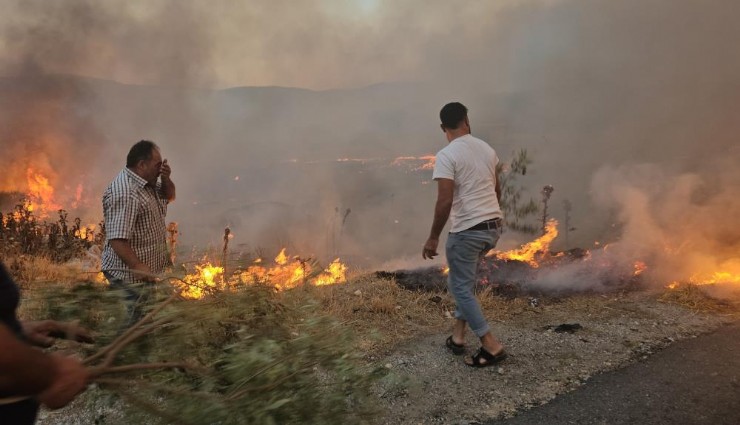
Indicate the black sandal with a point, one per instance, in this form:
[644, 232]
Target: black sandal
[457, 349]
[483, 358]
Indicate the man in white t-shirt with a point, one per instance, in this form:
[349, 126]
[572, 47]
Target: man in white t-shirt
[468, 193]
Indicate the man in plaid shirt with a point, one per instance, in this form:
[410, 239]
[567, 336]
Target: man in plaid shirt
[134, 207]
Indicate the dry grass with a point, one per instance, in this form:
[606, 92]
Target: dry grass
[33, 271]
[36, 273]
[695, 298]
[379, 312]
[383, 315]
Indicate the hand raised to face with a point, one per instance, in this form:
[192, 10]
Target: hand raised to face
[165, 170]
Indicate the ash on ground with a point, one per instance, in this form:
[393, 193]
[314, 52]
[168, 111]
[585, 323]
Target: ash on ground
[555, 274]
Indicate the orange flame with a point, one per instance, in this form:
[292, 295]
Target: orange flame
[729, 273]
[207, 277]
[430, 161]
[532, 250]
[281, 258]
[639, 268]
[715, 277]
[286, 273]
[428, 164]
[40, 194]
[86, 233]
[290, 272]
[335, 273]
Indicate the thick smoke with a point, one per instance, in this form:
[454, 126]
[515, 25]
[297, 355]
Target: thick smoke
[47, 133]
[681, 223]
[594, 90]
[133, 42]
[68, 129]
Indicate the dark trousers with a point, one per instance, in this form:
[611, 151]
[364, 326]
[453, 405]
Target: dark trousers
[135, 296]
[19, 413]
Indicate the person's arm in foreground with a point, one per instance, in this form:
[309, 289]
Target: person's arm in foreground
[25, 371]
[445, 190]
[43, 333]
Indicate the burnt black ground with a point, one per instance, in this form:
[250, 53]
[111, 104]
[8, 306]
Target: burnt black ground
[692, 382]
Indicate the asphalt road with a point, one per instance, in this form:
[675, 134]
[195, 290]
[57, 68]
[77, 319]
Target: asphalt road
[692, 382]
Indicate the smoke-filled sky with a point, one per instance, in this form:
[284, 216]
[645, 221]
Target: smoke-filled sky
[322, 44]
[594, 90]
[316, 44]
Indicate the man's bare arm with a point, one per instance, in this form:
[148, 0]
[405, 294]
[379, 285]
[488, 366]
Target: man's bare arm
[445, 189]
[123, 249]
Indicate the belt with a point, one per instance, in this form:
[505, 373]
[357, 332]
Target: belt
[492, 224]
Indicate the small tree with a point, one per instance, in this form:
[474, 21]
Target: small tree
[567, 207]
[515, 209]
[546, 192]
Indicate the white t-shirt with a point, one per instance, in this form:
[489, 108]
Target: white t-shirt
[471, 164]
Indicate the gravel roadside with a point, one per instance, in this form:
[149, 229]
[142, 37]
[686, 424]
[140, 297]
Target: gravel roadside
[615, 331]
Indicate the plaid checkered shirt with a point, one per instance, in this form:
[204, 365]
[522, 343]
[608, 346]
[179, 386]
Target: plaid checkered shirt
[135, 211]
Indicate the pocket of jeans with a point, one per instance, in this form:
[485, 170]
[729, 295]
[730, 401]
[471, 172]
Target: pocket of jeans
[450, 243]
[496, 235]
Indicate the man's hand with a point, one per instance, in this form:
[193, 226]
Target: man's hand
[168, 186]
[70, 379]
[165, 170]
[145, 273]
[42, 333]
[430, 249]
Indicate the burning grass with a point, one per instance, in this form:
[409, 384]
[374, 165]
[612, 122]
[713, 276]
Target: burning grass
[254, 352]
[285, 272]
[378, 310]
[249, 334]
[254, 327]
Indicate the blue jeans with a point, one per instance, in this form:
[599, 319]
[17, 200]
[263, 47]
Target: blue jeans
[464, 252]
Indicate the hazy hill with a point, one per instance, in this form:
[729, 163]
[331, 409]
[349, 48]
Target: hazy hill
[283, 143]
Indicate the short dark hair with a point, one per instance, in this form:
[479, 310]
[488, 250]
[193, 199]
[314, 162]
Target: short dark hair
[452, 114]
[141, 151]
